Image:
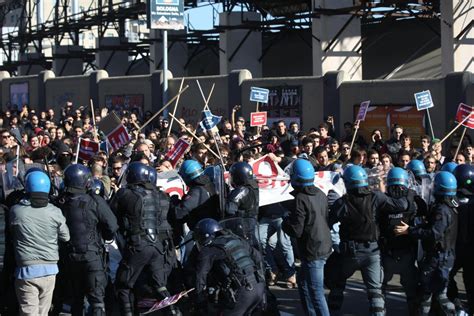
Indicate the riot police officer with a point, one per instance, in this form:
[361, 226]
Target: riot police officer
[465, 240]
[357, 211]
[200, 202]
[227, 271]
[142, 212]
[90, 221]
[399, 252]
[243, 200]
[439, 237]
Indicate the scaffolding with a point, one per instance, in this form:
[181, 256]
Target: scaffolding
[102, 15]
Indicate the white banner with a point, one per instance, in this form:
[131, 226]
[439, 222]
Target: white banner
[273, 182]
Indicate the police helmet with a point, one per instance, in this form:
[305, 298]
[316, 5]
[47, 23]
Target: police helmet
[205, 231]
[465, 177]
[241, 173]
[37, 181]
[445, 184]
[77, 176]
[97, 187]
[34, 169]
[138, 172]
[397, 176]
[190, 170]
[355, 177]
[417, 167]
[153, 175]
[449, 167]
[302, 173]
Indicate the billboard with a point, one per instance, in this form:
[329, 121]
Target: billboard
[19, 95]
[383, 117]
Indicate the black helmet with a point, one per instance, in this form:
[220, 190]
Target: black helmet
[97, 187]
[205, 231]
[240, 173]
[138, 172]
[153, 175]
[465, 177]
[77, 177]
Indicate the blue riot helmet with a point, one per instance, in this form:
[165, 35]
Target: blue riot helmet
[445, 184]
[205, 231]
[417, 167]
[190, 170]
[465, 178]
[97, 187]
[77, 177]
[449, 167]
[302, 173]
[397, 176]
[355, 177]
[37, 181]
[138, 172]
[34, 169]
[153, 176]
[241, 173]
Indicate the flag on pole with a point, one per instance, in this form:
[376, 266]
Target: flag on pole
[177, 152]
[118, 137]
[465, 110]
[87, 149]
[209, 120]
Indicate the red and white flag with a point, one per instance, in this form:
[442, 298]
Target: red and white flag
[177, 152]
[167, 302]
[118, 137]
[87, 149]
[463, 111]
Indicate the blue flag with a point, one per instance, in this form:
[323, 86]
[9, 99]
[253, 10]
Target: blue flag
[209, 120]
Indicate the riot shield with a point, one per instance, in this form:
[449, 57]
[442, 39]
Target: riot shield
[216, 174]
[374, 177]
[426, 189]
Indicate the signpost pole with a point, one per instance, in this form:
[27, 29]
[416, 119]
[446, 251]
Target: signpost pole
[165, 70]
[431, 125]
[354, 136]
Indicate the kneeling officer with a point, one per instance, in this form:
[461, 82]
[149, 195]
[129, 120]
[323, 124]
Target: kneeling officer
[231, 265]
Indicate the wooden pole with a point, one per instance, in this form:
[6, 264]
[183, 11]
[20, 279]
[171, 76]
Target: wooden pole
[175, 107]
[93, 120]
[194, 135]
[77, 150]
[164, 107]
[460, 142]
[354, 136]
[455, 128]
[431, 125]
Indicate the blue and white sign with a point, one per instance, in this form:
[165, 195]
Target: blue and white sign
[259, 94]
[166, 14]
[423, 100]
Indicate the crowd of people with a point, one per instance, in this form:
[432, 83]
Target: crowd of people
[406, 211]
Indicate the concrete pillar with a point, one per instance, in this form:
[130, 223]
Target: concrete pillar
[457, 33]
[3, 75]
[234, 95]
[240, 49]
[64, 61]
[94, 78]
[336, 41]
[33, 64]
[177, 53]
[42, 78]
[112, 56]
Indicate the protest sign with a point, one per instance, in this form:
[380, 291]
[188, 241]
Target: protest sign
[177, 152]
[424, 102]
[87, 149]
[465, 110]
[258, 119]
[364, 106]
[259, 94]
[118, 137]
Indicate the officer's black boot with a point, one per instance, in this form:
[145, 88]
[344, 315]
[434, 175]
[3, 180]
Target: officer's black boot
[98, 310]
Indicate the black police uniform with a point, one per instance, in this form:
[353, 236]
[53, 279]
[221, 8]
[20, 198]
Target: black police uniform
[90, 221]
[438, 236]
[231, 266]
[399, 252]
[358, 212]
[142, 212]
[200, 202]
[243, 201]
[464, 251]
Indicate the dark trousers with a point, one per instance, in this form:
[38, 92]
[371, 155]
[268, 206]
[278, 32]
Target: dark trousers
[88, 278]
[465, 260]
[246, 301]
[132, 264]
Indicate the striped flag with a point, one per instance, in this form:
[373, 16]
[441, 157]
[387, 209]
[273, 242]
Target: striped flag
[118, 137]
[177, 152]
[87, 149]
[209, 120]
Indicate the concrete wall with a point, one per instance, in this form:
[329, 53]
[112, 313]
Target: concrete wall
[70, 88]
